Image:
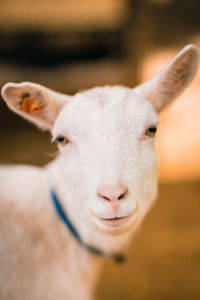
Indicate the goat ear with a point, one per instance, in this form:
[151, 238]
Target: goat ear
[34, 102]
[172, 80]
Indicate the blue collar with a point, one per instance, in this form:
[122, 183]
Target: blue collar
[119, 258]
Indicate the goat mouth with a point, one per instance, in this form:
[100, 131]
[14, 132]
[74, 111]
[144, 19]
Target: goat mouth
[116, 224]
[114, 221]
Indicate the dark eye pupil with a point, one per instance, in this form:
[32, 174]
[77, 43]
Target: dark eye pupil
[153, 129]
[60, 139]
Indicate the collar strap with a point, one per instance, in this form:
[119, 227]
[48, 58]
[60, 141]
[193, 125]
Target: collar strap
[117, 257]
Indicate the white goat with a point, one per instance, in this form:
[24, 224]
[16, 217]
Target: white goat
[59, 222]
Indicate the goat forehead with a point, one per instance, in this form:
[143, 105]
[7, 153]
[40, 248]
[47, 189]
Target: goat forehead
[105, 108]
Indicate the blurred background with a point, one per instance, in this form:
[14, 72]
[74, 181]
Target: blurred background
[71, 45]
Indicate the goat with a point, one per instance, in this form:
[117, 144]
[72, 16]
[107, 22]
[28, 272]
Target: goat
[58, 223]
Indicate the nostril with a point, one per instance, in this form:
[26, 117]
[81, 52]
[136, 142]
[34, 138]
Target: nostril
[104, 195]
[106, 198]
[122, 196]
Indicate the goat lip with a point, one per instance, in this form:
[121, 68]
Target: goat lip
[111, 218]
[113, 222]
[114, 218]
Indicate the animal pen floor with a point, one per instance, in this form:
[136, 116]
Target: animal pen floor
[163, 258]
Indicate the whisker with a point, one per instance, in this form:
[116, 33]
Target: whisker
[52, 155]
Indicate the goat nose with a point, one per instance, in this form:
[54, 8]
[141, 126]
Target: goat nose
[112, 192]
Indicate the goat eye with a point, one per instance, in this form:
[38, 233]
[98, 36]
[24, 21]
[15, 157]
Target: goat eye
[151, 131]
[61, 140]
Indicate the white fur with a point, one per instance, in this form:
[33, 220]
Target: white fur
[106, 128]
